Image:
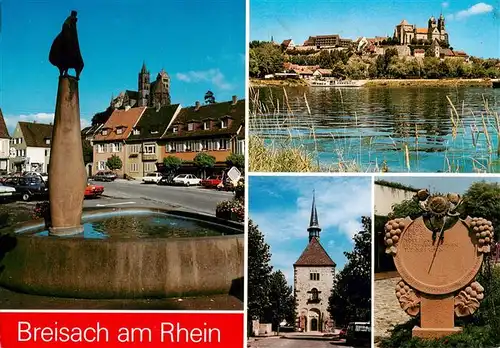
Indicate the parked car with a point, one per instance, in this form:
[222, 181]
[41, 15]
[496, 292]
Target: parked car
[358, 333]
[6, 191]
[166, 180]
[186, 179]
[28, 186]
[93, 191]
[211, 181]
[152, 178]
[105, 176]
[44, 176]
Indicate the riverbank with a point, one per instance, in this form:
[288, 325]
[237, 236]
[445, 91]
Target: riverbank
[382, 83]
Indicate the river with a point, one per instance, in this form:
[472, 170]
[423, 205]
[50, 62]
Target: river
[401, 129]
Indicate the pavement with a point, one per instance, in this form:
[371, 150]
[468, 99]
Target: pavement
[123, 192]
[294, 341]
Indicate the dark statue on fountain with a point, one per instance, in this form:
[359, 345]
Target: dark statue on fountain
[65, 51]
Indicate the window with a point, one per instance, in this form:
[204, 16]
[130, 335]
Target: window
[47, 152]
[134, 167]
[175, 130]
[104, 132]
[101, 165]
[47, 141]
[149, 167]
[206, 125]
[190, 126]
[116, 147]
[136, 132]
[119, 130]
[223, 124]
[150, 149]
[314, 276]
[180, 146]
[314, 294]
[240, 147]
[191, 145]
[223, 144]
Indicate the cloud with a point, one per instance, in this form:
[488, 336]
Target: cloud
[445, 4]
[215, 76]
[474, 10]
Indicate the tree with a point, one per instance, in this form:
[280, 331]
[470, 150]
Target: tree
[209, 97]
[266, 59]
[172, 163]
[88, 151]
[351, 296]
[259, 271]
[482, 199]
[236, 160]
[281, 301]
[204, 161]
[114, 163]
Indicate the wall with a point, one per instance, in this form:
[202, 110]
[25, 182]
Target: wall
[107, 154]
[123, 268]
[36, 155]
[386, 197]
[4, 154]
[303, 284]
[136, 159]
[220, 155]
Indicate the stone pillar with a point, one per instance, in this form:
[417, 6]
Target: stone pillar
[67, 177]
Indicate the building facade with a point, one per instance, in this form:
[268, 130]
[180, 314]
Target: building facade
[30, 147]
[4, 146]
[111, 138]
[406, 33]
[142, 151]
[314, 274]
[216, 129]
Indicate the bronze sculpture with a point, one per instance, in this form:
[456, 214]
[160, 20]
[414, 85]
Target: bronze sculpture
[65, 51]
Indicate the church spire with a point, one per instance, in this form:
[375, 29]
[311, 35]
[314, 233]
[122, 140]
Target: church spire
[314, 228]
[144, 70]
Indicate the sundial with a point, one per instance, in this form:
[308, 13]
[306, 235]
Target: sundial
[438, 256]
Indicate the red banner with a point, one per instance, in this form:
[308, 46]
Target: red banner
[121, 329]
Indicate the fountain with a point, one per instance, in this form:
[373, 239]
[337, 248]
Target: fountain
[111, 253]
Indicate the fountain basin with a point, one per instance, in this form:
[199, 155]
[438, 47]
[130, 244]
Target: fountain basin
[123, 264]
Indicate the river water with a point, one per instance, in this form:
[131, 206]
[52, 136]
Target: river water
[369, 128]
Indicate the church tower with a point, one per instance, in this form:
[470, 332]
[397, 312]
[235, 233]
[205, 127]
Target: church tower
[160, 90]
[143, 87]
[314, 274]
[441, 23]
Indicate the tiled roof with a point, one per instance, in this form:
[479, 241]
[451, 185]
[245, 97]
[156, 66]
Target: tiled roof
[422, 30]
[36, 134]
[404, 22]
[153, 120]
[214, 112]
[4, 132]
[286, 42]
[325, 71]
[446, 51]
[460, 53]
[314, 255]
[127, 118]
[419, 50]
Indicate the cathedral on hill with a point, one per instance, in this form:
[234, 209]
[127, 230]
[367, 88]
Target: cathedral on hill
[314, 274]
[153, 94]
[406, 33]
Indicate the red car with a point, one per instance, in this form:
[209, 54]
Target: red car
[211, 182]
[93, 191]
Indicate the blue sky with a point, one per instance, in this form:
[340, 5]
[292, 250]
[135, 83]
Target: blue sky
[439, 184]
[201, 46]
[473, 25]
[281, 207]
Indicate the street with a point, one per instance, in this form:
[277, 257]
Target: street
[134, 193]
[274, 342]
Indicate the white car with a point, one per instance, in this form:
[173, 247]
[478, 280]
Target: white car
[6, 191]
[44, 176]
[186, 179]
[152, 178]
